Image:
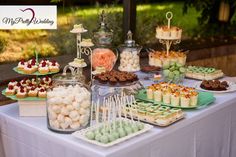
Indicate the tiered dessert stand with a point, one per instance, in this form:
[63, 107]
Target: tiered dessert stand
[31, 106]
[83, 47]
[170, 39]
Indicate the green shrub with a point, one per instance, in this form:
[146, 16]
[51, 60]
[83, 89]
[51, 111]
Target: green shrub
[3, 44]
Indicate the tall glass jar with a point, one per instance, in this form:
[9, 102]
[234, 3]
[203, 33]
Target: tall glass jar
[68, 104]
[129, 55]
[103, 54]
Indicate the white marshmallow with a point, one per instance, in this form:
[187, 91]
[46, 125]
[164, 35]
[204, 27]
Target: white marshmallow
[64, 111]
[68, 120]
[56, 108]
[84, 119]
[69, 107]
[75, 125]
[85, 104]
[64, 126]
[52, 115]
[73, 114]
[82, 111]
[54, 124]
[61, 118]
[76, 118]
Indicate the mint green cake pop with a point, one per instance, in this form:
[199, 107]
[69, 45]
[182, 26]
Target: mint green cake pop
[128, 130]
[140, 126]
[98, 137]
[104, 139]
[111, 137]
[121, 132]
[135, 127]
[90, 135]
[115, 134]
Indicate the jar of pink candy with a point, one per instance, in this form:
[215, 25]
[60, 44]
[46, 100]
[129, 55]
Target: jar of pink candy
[103, 54]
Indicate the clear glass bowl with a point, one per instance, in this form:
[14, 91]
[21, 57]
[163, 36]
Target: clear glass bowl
[68, 104]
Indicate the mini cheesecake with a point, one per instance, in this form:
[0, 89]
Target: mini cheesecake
[10, 90]
[21, 65]
[21, 93]
[33, 81]
[47, 80]
[53, 63]
[23, 83]
[33, 60]
[42, 93]
[30, 86]
[44, 61]
[28, 69]
[43, 68]
[12, 83]
[17, 86]
[33, 92]
[34, 66]
[54, 68]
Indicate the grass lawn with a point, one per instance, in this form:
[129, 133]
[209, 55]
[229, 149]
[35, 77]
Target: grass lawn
[21, 43]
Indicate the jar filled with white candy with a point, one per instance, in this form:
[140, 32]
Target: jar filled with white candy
[129, 55]
[68, 104]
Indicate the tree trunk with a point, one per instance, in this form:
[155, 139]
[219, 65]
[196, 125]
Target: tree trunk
[214, 12]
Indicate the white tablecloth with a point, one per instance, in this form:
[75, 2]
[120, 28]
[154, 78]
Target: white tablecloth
[208, 132]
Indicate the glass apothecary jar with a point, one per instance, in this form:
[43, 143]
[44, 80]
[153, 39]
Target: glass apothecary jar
[68, 104]
[129, 55]
[103, 54]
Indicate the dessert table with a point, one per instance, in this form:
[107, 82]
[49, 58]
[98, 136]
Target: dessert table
[207, 132]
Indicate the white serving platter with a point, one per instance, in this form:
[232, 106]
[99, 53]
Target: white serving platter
[81, 135]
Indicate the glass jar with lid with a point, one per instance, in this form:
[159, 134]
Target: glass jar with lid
[68, 104]
[103, 54]
[129, 55]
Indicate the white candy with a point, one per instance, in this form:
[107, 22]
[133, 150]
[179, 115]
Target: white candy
[65, 111]
[67, 101]
[69, 107]
[56, 108]
[82, 111]
[85, 104]
[60, 118]
[75, 125]
[84, 119]
[54, 124]
[68, 121]
[64, 126]
[52, 115]
[73, 114]
[76, 118]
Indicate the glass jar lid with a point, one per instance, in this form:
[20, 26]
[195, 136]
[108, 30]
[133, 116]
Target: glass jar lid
[130, 43]
[103, 35]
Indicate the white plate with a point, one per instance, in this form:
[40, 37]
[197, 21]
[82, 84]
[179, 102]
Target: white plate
[231, 88]
[81, 135]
